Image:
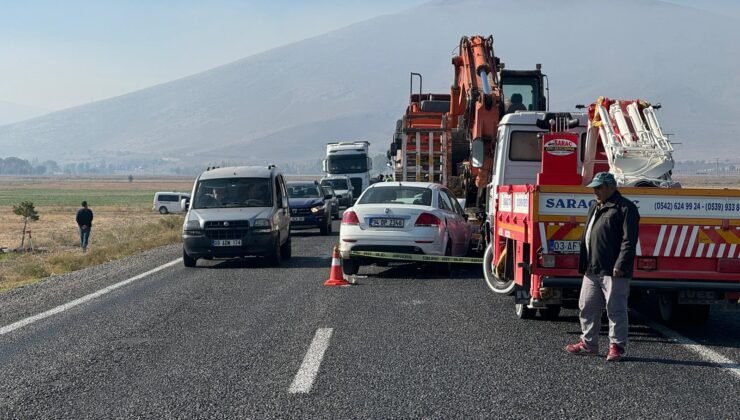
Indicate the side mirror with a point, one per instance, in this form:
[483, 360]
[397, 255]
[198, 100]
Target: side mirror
[323, 165]
[184, 204]
[477, 153]
[328, 196]
[284, 203]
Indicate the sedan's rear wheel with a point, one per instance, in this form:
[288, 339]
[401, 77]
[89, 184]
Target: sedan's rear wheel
[350, 266]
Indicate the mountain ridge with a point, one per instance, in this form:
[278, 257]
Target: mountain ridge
[353, 83]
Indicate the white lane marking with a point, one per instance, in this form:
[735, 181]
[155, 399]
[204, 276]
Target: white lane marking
[61, 308]
[705, 353]
[303, 380]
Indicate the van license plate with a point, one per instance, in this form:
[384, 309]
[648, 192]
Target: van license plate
[386, 222]
[227, 242]
[565, 247]
[297, 219]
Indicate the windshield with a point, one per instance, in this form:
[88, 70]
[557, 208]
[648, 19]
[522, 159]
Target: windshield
[304, 191]
[398, 195]
[337, 184]
[347, 164]
[233, 192]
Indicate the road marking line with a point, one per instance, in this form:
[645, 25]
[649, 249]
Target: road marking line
[303, 380]
[61, 308]
[705, 353]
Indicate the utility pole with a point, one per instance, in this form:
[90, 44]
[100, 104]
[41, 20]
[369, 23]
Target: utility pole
[717, 164]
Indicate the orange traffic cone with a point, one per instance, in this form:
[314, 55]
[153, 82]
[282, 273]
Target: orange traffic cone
[336, 277]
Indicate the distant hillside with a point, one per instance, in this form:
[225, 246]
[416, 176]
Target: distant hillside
[353, 83]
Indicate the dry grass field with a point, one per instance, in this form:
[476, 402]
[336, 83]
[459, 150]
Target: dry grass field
[124, 223]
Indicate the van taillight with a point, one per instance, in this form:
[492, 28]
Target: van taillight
[427, 219]
[350, 218]
[647, 264]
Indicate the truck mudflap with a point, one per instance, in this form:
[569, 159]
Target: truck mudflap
[651, 284]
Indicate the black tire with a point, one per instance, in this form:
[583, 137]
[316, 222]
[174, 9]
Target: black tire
[667, 307]
[187, 260]
[446, 268]
[522, 312]
[696, 314]
[276, 257]
[163, 210]
[286, 249]
[494, 282]
[350, 267]
[551, 313]
[675, 313]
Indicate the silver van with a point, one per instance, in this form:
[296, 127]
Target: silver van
[169, 202]
[237, 211]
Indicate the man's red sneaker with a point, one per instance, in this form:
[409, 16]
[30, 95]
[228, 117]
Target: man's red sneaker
[581, 348]
[616, 352]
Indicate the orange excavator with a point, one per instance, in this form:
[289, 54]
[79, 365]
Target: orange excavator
[450, 138]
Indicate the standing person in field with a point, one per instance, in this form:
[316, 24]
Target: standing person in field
[608, 248]
[84, 220]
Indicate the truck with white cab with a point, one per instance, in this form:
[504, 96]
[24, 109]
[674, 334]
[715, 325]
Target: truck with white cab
[351, 159]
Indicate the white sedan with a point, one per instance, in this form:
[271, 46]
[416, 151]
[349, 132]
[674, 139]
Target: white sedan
[403, 217]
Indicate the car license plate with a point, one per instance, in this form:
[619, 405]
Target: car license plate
[565, 247]
[227, 242]
[297, 219]
[386, 222]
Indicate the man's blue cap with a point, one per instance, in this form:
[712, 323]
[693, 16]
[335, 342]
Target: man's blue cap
[602, 178]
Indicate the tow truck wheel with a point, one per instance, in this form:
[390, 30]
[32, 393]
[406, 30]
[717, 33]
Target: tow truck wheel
[522, 312]
[667, 306]
[502, 287]
[550, 313]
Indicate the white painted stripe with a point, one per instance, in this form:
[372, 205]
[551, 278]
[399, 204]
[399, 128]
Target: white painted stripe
[671, 236]
[681, 239]
[710, 251]
[543, 238]
[721, 250]
[659, 242]
[731, 254]
[692, 239]
[638, 251]
[700, 251]
[303, 380]
[61, 308]
[703, 352]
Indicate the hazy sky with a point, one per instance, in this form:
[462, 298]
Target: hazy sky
[56, 54]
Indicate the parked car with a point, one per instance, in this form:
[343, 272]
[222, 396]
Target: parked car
[310, 207]
[236, 212]
[410, 217]
[169, 202]
[329, 191]
[343, 187]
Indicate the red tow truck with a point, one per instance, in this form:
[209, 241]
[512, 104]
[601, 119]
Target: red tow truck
[689, 241]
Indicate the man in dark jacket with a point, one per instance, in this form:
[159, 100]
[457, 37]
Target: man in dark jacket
[84, 220]
[607, 255]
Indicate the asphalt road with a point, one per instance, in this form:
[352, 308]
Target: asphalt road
[228, 340]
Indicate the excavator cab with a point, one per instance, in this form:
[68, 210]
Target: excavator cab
[524, 90]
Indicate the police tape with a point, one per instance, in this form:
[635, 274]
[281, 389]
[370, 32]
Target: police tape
[415, 257]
